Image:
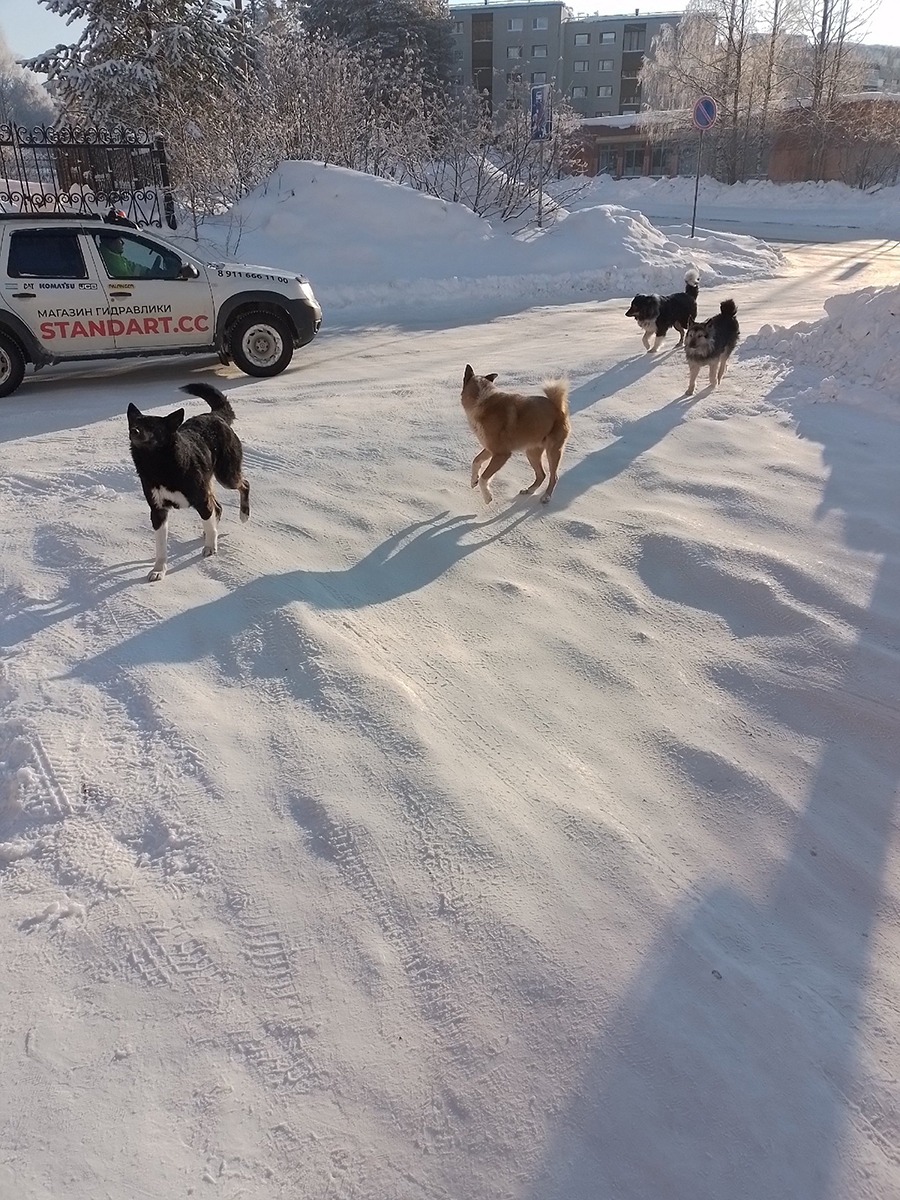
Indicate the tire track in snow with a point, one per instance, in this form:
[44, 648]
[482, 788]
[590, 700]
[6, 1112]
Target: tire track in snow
[351, 852]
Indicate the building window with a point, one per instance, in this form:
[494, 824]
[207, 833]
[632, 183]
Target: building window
[606, 161]
[634, 39]
[579, 93]
[482, 28]
[459, 27]
[538, 51]
[602, 112]
[604, 90]
[513, 51]
[634, 161]
[607, 39]
[538, 76]
[539, 23]
[514, 25]
[605, 64]
[658, 157]
[687, 160]
[581, 65]
[582, 39]
[513, 77]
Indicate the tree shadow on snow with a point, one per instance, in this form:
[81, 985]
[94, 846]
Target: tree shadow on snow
[732, 1067]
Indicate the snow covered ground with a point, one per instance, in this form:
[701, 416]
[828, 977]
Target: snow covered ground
[807, 212]
[419, 851]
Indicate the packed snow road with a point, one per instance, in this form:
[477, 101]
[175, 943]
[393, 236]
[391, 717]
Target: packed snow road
[410, 849]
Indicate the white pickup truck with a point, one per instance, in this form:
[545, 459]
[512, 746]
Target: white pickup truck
[76, 288]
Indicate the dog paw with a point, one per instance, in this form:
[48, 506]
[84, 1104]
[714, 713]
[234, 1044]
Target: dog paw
[156, 574]
[545, 499]
[245, 516]
[209, 551]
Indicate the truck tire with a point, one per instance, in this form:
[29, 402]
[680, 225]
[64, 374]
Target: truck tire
[261, 343]
[12, 364]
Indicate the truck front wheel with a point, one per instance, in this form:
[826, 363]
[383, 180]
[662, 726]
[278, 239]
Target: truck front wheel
[261, 343]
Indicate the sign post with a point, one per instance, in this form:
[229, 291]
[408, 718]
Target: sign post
[706, 113]
[541, 129]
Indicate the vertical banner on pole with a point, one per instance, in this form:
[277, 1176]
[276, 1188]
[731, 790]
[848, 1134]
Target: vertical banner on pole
[706, 113]
[541, 129]
[541, 116]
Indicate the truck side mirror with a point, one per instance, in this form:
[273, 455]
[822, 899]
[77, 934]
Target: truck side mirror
[188, 271]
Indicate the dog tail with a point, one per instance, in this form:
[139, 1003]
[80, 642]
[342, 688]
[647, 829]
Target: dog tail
[216, 400]
[728, 308]
[557, 391]
[692, 281]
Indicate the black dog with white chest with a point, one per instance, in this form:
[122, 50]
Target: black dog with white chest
[710, 344]
[656, 315]
[177, 461]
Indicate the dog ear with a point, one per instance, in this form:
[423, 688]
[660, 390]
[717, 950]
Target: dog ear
[134, 414]
[174, 419]
[492, 376]
[469, 374]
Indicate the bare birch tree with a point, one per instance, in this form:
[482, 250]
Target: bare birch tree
[756, 61]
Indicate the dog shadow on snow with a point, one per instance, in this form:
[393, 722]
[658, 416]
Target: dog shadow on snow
[620, 376]
[633, 439]
[403, 563]
[732, 1064]
[406, 561]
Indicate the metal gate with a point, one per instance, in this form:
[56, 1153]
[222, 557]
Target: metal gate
[83, 169]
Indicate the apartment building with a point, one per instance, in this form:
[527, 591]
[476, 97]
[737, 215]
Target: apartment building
[883, 68]
[594, 60]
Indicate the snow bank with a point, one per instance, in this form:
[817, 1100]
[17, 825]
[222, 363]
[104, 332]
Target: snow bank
[758, 204]
[859, 337]
[369, 241]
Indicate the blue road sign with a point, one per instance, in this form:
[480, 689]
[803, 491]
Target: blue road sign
[541, 119]
[706, 113]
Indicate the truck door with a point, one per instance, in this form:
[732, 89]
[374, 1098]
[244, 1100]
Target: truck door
[154, 303]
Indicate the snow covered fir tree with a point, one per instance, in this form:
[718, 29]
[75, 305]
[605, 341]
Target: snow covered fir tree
[137, 60]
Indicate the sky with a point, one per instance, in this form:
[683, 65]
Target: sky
[29, 28]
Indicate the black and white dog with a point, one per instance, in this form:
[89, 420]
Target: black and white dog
[656, 315]
[176, 461]
[711, 344]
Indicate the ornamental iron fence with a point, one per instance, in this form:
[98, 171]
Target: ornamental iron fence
[85, 169]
